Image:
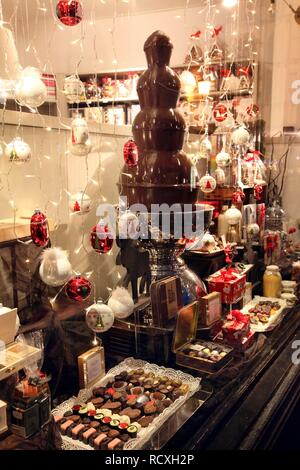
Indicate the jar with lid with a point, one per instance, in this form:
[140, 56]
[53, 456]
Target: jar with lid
[272, 282]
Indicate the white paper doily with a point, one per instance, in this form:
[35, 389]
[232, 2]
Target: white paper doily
[145, 433]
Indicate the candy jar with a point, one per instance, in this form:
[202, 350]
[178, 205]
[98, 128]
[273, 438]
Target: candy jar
[272, 282]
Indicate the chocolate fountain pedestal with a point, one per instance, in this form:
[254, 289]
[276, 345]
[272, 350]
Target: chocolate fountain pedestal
[163, 174]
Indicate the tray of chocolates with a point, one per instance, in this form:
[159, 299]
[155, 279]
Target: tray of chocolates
[125, 408]
[265, 313]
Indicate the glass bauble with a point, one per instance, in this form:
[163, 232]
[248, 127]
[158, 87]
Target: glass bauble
[208, 184]
[55, 268]
[18, 151]
[101, 239]
[80, 150]
[223, 159]
[69, 12]
[73, 89]
[130, 152]
[78, 288]
[39, 229]
[240, 136]
[31, 91]
[220, 176]
[80, 203]
[80, 131]
[99, 317]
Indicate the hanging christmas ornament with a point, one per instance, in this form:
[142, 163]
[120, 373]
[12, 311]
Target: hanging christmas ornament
[80, 150]
[101, 239]
[223, 159]
[252, 230]
[220, 112]
[196, 35]
[188, 82]
[39, 229]
[18, 151]
[207, 183]
[74, 89]
[130, 153]
[128, 225]
[233, 216]
[205, 146]
[252, 110]
[69, 12]
[78, 288]
[80, 203]
[220, 176]
[55, 268]
[99, 317]
[240, 136]
[80, 130]
[31, 91]
[258, 190]
[121, 303]
[238, 197]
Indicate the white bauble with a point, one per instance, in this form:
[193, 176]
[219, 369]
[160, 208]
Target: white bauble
[253, 230]
[55, 269]
[240, 136]
[18, 151]
[220, 176]
[31, 91]
[205, 146]
[121, 303]
[80, 131]
[233, 216]
[80, 150]
[207, 184]
[223, 159]
[99, 317]
[188, 82]
[128, 225]
[79, 203]
[73, 88]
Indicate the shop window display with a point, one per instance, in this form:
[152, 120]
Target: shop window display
[149, 231]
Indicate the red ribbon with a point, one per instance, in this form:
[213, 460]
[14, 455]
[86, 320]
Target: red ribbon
[196, 35]
[217, 31]
[243, 71]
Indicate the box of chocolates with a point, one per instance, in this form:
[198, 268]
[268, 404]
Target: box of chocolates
[195, 354]
[229, 283]
[236, 328]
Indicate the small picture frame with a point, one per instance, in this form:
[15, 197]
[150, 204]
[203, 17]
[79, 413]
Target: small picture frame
[91, 367]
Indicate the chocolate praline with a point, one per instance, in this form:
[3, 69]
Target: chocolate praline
[105, 443]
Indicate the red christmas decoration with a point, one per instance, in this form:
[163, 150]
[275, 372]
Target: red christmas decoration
[216, 31]
[69, 12]
[76, 207]
[243, 71]
[238, 197]
[130, 153]
[258, 190]
[78, 288]
[252, 110]
[196, 35]
[220, 112]
[39, 229]
[208, 185]
[225, 73]
[100, 239]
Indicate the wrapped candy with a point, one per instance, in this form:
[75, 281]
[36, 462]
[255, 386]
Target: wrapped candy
[236, 329]
[229, 283]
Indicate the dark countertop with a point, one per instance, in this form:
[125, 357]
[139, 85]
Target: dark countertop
[254, 402]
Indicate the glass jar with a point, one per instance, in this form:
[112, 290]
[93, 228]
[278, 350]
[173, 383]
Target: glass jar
[272, 282]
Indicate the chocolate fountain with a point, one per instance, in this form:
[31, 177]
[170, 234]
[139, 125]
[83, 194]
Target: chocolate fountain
[163, 172]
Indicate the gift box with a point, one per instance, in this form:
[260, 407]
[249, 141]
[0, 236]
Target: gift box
[236, 328]
[229, 283]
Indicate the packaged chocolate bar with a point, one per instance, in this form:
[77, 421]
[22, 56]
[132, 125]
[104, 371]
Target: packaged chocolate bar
[210, 309]
[166, 300]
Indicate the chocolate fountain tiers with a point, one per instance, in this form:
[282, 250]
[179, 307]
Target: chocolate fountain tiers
[163, 172]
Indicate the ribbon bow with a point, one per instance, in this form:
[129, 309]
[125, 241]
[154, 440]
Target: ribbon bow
[217, 31]
[196, 35]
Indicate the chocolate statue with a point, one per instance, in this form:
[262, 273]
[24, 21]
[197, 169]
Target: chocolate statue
[163, 172]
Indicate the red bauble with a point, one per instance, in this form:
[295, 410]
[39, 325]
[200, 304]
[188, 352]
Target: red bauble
[39, 229]
[69, 12]
[252, 110]
[101, 239]
[130, 153]
[78, 288]
[238, 197]
[258, 190]
[220, 112]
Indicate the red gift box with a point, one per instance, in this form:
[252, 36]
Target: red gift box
[236, 328]
[229, 283]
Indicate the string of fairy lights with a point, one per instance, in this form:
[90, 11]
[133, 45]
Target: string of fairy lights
[29, 29]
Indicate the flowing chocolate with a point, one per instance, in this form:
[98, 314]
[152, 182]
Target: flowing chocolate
[163, 172]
